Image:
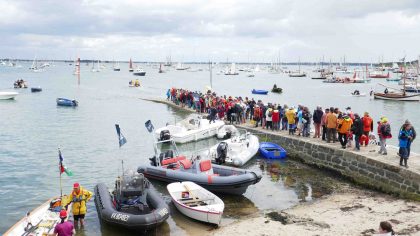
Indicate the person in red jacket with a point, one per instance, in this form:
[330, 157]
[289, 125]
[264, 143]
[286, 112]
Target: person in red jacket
[367, 126]
[257, 115]
[276, 119]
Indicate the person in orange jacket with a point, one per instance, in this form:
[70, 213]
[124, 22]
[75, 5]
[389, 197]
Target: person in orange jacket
[344, 125]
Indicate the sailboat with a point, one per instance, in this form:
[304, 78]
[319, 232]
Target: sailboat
[117, 66]
[231, 70]
[397, 95]
[130, 66]
[160, 69]
[97, 67]
[77, 67]
[180, 66]
[34, 66]
[297, 73]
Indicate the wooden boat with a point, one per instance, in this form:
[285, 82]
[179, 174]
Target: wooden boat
[378, 75]
[397, 96]
[272, 150]
[196, 202]
[40, 221]
[257, 91]
[8, 95]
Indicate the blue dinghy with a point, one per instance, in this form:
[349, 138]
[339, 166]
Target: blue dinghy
[66, 102]
[256, 91]
[272, 150]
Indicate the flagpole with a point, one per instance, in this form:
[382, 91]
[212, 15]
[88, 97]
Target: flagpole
[59, 172]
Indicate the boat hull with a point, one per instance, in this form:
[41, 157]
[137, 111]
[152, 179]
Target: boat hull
[34, 90]
[66, 102]
[262, 92]
[180, 135]
[397, 97]
[211, 213]
[229, 180]
[109, 215]
[272, 151]
[139, 73]
[8, 95]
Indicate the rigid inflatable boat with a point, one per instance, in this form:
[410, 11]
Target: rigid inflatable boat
[134, 204]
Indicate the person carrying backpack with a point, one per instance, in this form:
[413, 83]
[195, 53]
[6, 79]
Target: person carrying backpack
[384, 133]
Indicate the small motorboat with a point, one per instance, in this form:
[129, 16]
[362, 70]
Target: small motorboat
[193, 128]
[40, 221]
[139, 72]
[20, 83]
[134, 204]
[196, 202]
[272, 151]
[227, 131]
[8, 95]
[169, 166]
[67, 102]
[236, 151]
[262, 92]
[36, 89]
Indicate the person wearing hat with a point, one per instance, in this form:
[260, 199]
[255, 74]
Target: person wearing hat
[79, 196]
[412, 131]
[64, 228]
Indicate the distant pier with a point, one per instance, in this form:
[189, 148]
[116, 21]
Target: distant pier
[365, 167]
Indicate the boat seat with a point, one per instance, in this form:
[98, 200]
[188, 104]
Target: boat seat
[172, 160]
[195, 200]
[186, 164]
[205, 166]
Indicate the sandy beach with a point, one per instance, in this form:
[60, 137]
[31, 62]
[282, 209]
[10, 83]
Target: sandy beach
[350, 212]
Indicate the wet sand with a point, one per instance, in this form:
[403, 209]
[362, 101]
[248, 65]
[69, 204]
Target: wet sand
[349, 212]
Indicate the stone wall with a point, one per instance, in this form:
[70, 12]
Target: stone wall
[357, 167]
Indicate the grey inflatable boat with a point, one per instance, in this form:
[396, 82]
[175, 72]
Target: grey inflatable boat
[134, 204]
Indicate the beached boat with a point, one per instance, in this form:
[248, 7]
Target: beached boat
[67, 102]
[236, 151]
[272, 150]
[8, 95]
[257, 91]
[36, 89]
[193, 128]
[196, 202]
[134, 203]
[40, 221]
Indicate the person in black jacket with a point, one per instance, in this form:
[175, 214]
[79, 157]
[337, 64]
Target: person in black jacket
[357, 129]
[317, 117]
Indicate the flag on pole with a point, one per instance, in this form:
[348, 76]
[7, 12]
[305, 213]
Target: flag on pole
[149, 126]
[61, 165]
[121, 138]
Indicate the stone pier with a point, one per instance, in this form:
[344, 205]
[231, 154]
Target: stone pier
[365, 167]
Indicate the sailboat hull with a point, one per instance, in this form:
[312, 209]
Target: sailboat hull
[397, 97]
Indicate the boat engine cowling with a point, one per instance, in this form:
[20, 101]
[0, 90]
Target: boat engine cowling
[165, 135]
[222, 149]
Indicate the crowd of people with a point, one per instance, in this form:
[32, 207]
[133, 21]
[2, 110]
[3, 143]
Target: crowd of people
[330, 124]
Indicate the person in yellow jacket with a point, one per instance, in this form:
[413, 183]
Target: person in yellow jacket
[79, 196]
[344, 126]
[291, 117]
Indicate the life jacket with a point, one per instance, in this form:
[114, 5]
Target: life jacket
[79, 201]
[367, 123]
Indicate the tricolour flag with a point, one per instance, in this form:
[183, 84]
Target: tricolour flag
[62, 168]
[121, 138]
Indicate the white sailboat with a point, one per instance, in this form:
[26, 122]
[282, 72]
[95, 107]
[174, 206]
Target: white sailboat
[231, 70]
[181, 66]
[97, 67]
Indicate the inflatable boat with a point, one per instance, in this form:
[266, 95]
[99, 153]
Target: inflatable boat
[257, 91]
[66, 102]
[36, 89]
[134, 204]
[215, 178]
[272, 150]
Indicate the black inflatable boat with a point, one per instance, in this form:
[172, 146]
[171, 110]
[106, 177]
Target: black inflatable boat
[134, 204]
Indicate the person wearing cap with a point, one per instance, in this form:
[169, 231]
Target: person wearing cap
[384, 133]
[64, 228]
[412, 131]
[79, 196]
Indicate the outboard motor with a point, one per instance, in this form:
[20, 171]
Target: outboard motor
[165, 135]
[222, 149]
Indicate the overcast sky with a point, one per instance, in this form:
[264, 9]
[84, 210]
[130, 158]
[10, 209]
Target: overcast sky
[217, 30]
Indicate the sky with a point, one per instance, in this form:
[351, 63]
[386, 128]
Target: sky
[216, 30]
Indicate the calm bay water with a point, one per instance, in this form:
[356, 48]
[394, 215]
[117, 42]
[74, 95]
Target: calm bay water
[32, 127]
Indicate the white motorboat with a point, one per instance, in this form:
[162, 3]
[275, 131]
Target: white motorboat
[196, 202]
[8, 95]
[236, 151]
[40, 221]
[193, 128]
